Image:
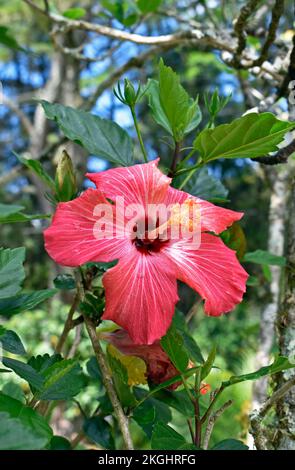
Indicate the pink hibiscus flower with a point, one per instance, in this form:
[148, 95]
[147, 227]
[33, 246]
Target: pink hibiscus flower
[141, 290]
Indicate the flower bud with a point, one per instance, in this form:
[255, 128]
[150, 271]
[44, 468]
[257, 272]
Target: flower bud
[129, 93]
[65, 178]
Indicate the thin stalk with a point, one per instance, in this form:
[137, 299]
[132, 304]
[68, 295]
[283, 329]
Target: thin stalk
[106, 375]
[175, 159]
[139, 134]
[191, 173]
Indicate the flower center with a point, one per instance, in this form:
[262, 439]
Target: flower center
[148, 242]
[182, 220]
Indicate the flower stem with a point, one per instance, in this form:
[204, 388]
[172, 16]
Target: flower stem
[191, 173]
[106, 375]
[139, 134]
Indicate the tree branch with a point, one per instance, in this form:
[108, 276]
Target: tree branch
[25, 121]
[280, 157]
[276, 14]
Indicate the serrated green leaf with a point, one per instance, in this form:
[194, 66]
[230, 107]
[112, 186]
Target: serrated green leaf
[62, 380]
[182, 112]
[11, 342]
[21, 428]
[264, 257]
[14, 390]
[100, 137]
[250, 136]
[173, 345]
[99, 431]
[59, 443]
[166, 438]
[24, 301]
[65, 282]
[230, 444]
[12, 272]
[25, 371]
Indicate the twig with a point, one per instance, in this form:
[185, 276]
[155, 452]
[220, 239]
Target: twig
[175, 159]
[276, 14]
[26, 123]
[76, 341]
[280, 157]
[211, 422]
[239, 28]
[68, 326]
[210, 407]
[106, 375]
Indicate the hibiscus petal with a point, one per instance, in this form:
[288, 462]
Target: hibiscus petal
[141, 292]
[212, 270]
[213, 218]
[138, 184]
[72, 238]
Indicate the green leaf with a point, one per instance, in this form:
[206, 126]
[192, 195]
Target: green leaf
[9, 209]
[99, 431]
[165, 438]
[20, 217]
[250, 136]
[8, 40]
[13, 390]
[65, 282]
[12, 272]
[25, 371]
[36, 167]
[63, 380]
[120, 377]
[74, 13]
[264, 257]
[42, 363]
[192, 348]
[159, 115]
[24, 301]
[206, 186]
[230, 444]
[178, 400]
[280, 363]
[59, 443]
[148, 6]
[206, 368]
[173, 345]
[10, 342]
[21, 428]
[93, 369]
[144, 414]
[100, 137]
[182, 112]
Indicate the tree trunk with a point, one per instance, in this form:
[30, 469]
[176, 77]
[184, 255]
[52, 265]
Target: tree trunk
[278, 179]
[285, 412]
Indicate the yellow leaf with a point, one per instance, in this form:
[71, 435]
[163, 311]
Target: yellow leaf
[136, 367]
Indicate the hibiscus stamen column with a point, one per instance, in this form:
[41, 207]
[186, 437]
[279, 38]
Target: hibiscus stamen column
[106, 376]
